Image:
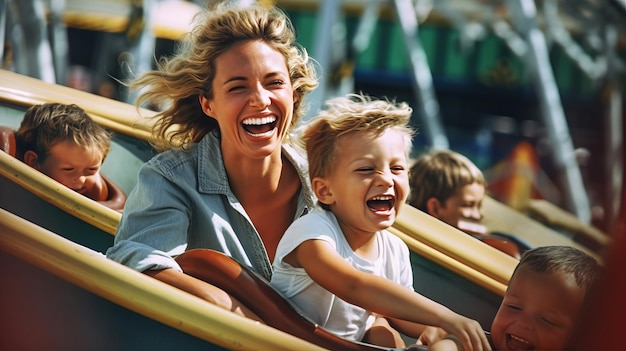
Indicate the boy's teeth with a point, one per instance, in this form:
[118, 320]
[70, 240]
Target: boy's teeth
[382, 198]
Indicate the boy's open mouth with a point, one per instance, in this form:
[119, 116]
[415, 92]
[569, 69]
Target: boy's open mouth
[516, 343]
[259, 126]
[381, 203]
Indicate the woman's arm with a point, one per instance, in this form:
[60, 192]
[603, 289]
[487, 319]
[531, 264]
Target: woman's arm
[203, 290]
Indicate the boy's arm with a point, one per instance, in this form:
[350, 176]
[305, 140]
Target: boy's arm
[326, 267]
[425, 334]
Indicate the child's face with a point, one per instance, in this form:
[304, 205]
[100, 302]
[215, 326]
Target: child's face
[538, 311]
[465, 205]
[369, 182]
[71, 165]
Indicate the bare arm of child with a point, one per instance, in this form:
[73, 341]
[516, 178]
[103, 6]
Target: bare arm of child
[425, 334]
[380, 295]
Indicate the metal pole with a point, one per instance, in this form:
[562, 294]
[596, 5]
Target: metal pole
[614, 139]
[524, 14]
[326, 22]
[428, 106]
[35, 47]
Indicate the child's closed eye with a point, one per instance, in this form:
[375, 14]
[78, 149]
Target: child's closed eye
[514, 307]
[365, 169]
[554, 322]
[398, 169]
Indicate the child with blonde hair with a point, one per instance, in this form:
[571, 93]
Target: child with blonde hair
[450, 187]
[339, 264]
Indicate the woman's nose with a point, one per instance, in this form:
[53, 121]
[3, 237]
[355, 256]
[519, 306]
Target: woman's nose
[260, 98]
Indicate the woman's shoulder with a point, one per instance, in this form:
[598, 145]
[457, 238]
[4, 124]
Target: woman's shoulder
[296, 156]
[171, 157]
[177, 155]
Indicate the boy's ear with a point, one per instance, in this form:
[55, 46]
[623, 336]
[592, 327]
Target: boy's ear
[322, 191]
[30, 158]
[432, 206]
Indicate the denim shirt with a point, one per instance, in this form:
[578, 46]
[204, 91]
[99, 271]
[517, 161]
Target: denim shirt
[183, 201]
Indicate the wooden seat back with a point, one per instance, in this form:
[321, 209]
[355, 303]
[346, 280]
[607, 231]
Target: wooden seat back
[255, 293]
[7, 140]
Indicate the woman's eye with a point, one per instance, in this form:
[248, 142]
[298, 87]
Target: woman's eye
[277, 82]
[235, 88]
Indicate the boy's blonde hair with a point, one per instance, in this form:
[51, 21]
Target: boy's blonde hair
[346, 115]
[179, 81]
[46, 125]
[440, 174]
[566, 259]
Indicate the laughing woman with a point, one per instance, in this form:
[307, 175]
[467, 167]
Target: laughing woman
[227, 178]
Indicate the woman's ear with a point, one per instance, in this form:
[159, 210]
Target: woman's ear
[205, 103]
[30, 158]
[432, 206]
[322, 191]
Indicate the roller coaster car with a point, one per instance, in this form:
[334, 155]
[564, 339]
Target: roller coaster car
[255, 292]
[64, 296]
[449, 266]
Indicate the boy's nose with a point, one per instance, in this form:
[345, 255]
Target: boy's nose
[476, 214]
[385, 178]
[79, 182]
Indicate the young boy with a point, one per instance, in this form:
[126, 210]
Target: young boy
[64, 143]
[338, 264]
[448, 186]
[542, 301]
[451, 188]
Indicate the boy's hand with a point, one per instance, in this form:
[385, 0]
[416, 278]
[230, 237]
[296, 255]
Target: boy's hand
[430, 335]
[469, 333]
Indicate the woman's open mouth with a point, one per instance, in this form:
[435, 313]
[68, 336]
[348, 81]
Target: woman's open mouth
[259, 127]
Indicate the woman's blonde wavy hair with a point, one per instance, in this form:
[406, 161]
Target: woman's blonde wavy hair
[175, 86]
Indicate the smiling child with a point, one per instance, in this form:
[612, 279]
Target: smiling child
[339, 264]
